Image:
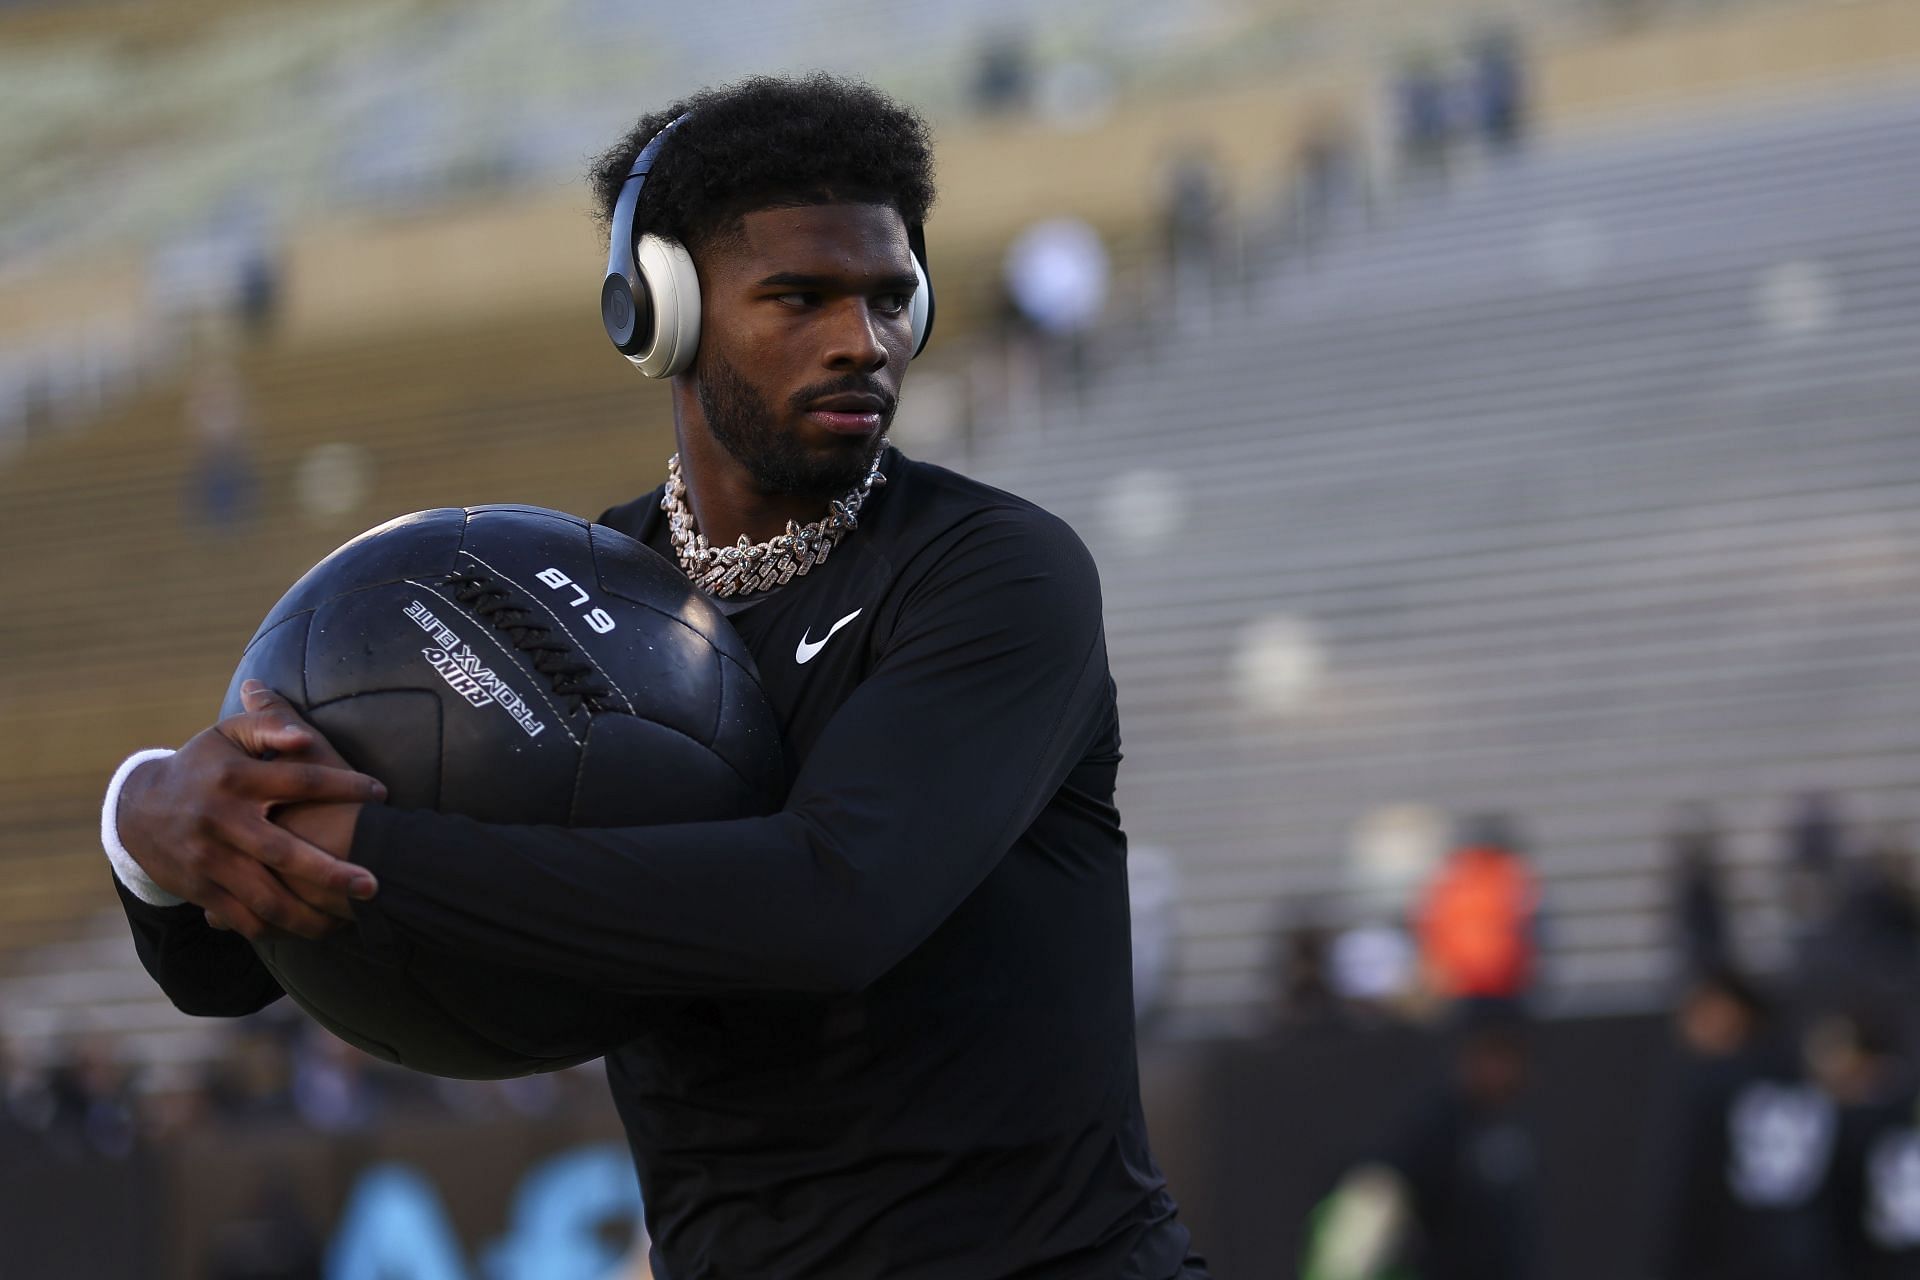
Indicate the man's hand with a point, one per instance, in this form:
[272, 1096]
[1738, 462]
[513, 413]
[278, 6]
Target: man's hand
[200, 823]
[327, 827]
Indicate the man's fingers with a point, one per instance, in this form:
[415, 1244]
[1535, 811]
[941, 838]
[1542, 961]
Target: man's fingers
[294, 859]
[286, 782]
[268, 740]
[337, 905]
[272, 721]
[260, 700]
[275, 729]
[320, 784]
[224, 911]
[272, 903]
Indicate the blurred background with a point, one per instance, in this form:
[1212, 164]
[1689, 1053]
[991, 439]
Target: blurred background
[1498, 426]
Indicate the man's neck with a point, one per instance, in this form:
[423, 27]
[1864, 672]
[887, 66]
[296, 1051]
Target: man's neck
[726, 502]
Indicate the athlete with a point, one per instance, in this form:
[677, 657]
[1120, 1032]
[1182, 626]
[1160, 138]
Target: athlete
[888, 1030]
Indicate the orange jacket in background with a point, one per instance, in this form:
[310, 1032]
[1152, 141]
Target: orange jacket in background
[1475, 924]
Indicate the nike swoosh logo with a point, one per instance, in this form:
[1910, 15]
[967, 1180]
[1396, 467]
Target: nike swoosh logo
[804, 654]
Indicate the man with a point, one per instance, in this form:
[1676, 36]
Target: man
[1873, 1197]
[1744, 1152]
[1477, 920]
[1453, 1194]
[887, 1031]
[1468, 1158]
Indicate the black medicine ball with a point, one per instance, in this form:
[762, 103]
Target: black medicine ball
[515, 665]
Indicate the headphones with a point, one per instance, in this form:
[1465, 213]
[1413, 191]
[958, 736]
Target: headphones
[650, 301]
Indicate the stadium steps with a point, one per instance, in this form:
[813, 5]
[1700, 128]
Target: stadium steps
[1575, 546]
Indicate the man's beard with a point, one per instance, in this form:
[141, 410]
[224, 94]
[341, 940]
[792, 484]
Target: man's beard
[743, 422]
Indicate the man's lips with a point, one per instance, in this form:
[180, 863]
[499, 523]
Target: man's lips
[849, 414]
[850, 402]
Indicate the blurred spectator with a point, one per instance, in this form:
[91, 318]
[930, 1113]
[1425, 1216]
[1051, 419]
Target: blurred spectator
[1003, 76]
[1056, 273]
[1470, 1161]
[1745, 1152]
[1877, 922]
[223, 481]
[1372, 967]
[173, 1100]
[1477, 918]
[1835, 911]
[258, 292]
[1499, 89]
[29, 1100]
[1812, 864]
[1056, 276]
[1423, 109]
[1875, 1191]
[1195, 229]
[90, 1102]
[1362, 975]
[1304, 995]
[1694, 858]
[254, 1080]
[1323, 178]
[1456, 1194]
[333, 1090]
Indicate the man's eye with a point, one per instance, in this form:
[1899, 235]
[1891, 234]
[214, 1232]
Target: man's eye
[798, 299]
[892, 303]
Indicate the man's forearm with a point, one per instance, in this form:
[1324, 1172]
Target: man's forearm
[752, 904]
[204, 971]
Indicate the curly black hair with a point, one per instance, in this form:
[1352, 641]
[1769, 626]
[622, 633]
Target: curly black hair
[768, 142]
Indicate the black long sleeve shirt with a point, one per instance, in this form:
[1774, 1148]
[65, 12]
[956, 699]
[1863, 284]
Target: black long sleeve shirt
[888, 1030]
[1874, 1197]
[1744, 1153]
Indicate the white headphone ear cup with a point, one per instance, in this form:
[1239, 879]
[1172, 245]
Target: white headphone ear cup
[666, 268]
[920, 307]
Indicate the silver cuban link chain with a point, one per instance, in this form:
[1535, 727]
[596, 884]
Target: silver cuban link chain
[747, 567]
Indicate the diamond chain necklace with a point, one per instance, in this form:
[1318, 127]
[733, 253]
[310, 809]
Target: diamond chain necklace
[747, 567]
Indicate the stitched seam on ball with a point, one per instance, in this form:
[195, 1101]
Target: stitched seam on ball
[538, 681]
[611, 682]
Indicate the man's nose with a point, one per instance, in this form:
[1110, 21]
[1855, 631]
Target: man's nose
[856, 344]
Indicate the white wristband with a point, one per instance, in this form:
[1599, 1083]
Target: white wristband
[138, 883]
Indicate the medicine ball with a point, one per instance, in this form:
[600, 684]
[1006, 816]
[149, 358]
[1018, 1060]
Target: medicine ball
[515, 665]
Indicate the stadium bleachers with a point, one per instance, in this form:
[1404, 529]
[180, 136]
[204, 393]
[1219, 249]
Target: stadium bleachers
[319, 109]
[1591, 479]
[1592, 483]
